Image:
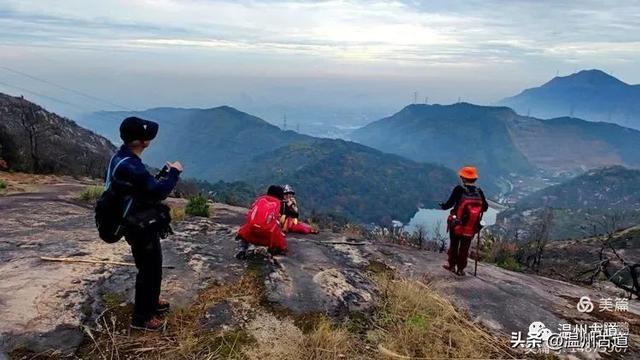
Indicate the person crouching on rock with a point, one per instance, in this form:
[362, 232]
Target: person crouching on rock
[262, 224]
[290, 219]
[146, 219]
[467, 204]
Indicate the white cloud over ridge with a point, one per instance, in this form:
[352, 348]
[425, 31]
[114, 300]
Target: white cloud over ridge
[380, 31]
[207, 52]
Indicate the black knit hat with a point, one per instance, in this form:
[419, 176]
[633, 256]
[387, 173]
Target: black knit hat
[276, 191]
[135, 128]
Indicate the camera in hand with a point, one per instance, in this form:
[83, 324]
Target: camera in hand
[163, 172]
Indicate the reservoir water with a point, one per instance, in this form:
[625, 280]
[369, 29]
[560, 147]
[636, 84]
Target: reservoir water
[432, 218]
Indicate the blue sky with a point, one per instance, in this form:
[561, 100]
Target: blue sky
[322, 54]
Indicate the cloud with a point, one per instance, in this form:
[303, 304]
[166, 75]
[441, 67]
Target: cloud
[368, 31]
[187, 51]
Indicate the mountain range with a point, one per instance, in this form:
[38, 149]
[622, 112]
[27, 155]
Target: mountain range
[213, 144]
[352, 180]
[334, 176]
[452, 135]
[589, 94]
[499, 141]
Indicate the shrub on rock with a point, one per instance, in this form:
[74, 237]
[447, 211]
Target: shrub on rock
[197, 206]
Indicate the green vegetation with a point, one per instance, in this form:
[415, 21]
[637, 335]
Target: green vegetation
[503, 254]
[217, 143]
[237, 193]
[330, 176]
[197, 206]
[510, 263]
[337, 182]
[353, 181]
[452, 135]
[3, 185]
[580, 204]
[614, 187]
[91, 193]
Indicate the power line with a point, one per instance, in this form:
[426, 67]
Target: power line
[42, 95]
[65, 88]
[78, 107]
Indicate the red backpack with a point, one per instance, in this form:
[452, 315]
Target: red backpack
[264, 214]
[468, 214]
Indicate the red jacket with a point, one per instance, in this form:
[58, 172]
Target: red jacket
[262, 224]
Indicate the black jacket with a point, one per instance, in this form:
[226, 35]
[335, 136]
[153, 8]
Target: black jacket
[290, 210]
[133, 179]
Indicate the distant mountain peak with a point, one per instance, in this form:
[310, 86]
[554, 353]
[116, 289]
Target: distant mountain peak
[592, 77]
[226, 108]
[593, 95]
[457, 107]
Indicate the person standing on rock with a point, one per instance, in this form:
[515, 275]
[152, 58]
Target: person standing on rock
[467, 204]
[262, 224]
[147, 219]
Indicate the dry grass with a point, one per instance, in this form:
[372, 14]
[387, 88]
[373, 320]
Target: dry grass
[329, 342]
[177, 214]
[183, 337]
[414, 322]
[410, 322]
[353, 231]
[20, 182]
[277, 337]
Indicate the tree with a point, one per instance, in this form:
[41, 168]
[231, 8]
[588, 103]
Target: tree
[617, 269]
[35, 124]
[439, 238]
[420, 235]
[538, 240]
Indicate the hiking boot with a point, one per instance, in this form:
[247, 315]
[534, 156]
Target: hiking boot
[449, 267]
[277, 252]
[243, 246]
[153, 324]
[461, 272]
[163, 306]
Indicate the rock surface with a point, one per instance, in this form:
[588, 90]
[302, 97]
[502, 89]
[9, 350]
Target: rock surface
[44, 304]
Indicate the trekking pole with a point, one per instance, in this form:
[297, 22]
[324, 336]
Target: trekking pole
[475, 269]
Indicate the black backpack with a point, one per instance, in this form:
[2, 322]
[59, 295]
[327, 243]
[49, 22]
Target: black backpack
[111, 209]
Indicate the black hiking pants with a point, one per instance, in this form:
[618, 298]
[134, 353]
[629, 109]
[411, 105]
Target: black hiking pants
[147, 254]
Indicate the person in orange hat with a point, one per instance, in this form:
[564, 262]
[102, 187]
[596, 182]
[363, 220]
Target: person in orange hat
[467, 204]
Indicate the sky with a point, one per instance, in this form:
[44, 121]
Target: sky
[331, 57]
